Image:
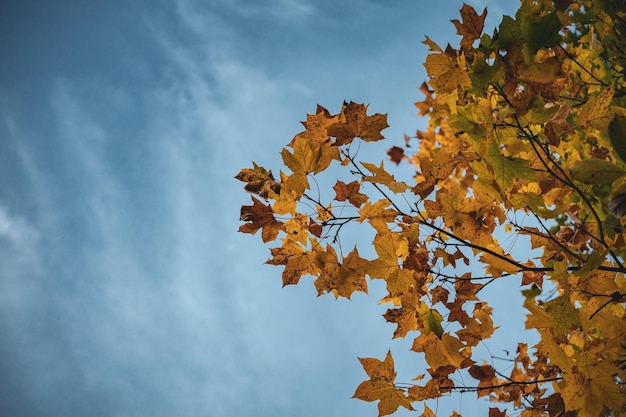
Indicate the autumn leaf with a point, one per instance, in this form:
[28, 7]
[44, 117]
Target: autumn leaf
[349, 192]
[380, 386]
[260, 216]
[378, 214]
[447, 73]
[427, 412]
[440, 351]
[353, 122]
[259, 180]
[472, 26]
[558, 126]
[316, 126]
[431, 320]
[396, 154]
[296, 260]
[308, 157]
[496, 412]
[383, 177]
[340, 278]
[596, 171]
[595, 111]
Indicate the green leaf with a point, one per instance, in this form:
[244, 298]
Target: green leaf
[508, 32]
[505, 169]
[596, 171]
[617, 201]
[539, 31]
[594, 261]
[483, 74]
[617, 134]
[432, 321]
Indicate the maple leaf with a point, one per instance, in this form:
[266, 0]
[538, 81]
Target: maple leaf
[297, 262]
[472, 26]
[596, 171]
[396, 154]
[316, 126]
[349, 192]
[353, 122]
[380, 386]
[340, 278]
[496, 412]
[447, 73]
[383, 177]
[378, 214]
[558, 126]
[405, 317]
[259, 180]
[425, 106]
[486, 374]
[260, 216]
[439, 352]
[308, 157]
[595, 112]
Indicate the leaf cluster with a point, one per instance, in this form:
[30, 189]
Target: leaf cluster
[526, 140]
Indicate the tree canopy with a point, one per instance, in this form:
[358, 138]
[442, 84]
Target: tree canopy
[526, 137]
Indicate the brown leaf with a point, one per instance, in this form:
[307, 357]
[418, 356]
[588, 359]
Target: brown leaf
[495, 412]
[354, 122]
[315, 228]
[482, 372]
[396, 154]
[259, 181]
[558, 125]
[296, 260]
[472, 26]
[349, 192]
[260, 216]
[340, 279]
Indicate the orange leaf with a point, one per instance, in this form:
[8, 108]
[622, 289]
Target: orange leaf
[495, 412]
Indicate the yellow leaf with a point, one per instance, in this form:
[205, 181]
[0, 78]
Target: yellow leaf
[353, 122]
[427, 412]
[297, 262]
[381, 386]
[340, 279]
[383, 177]
[594, 113]
[440, 351]
[445, 73]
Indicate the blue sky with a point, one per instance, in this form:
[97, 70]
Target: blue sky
[124, 287]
